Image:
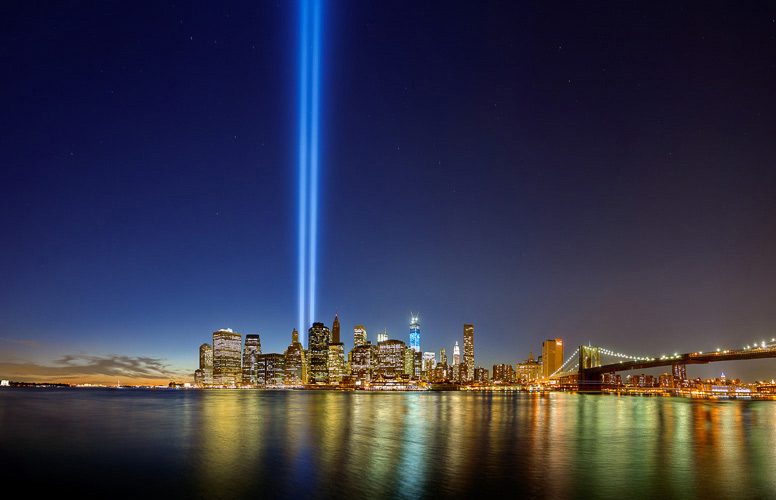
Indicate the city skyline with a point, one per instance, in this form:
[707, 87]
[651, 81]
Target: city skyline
[597, 176]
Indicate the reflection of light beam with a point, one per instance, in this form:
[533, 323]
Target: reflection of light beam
[309, 77]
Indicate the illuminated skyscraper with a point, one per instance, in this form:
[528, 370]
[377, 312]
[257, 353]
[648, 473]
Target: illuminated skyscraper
[251, 351]
[363, 363]
[359, 335]
[318, 340]
[271, 369]
[206, 363]
[390, 358]
[443, 357]
[552, 356]
[415, 334]
[468, 350]
[382, 337]
[456, 354]
[226, 357]
[295, 362]
[429, 361]
[336, 362]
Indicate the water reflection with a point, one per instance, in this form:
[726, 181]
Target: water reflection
[326, 444]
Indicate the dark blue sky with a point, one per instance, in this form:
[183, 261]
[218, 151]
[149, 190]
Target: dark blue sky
[598, 174]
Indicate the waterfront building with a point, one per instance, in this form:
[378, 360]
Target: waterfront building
[468, 350]
[390, 358]
[417, 364]
[363, 363]
[552, 356]
[251, 351]
[270, 369]
[528, 371]
[206, 364]
[414, 333]
[503, 374]
[295, 362]
[318, 340]
[678, 374]
[409, 362]
[336, 363]
[429, 362]
[226, 357]
[359, 335]
[481, 375]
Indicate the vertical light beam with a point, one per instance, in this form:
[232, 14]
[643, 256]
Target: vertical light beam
[303, 160]
[310, 12]
[314, 120]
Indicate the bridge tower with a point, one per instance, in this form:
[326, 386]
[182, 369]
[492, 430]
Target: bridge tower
[589, 357]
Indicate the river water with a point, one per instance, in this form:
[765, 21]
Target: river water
[327, 444]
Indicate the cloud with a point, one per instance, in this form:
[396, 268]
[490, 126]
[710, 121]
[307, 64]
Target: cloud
[23, 342]
[93, 368]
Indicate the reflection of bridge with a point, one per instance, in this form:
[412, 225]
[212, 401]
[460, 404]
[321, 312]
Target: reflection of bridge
[588, 372]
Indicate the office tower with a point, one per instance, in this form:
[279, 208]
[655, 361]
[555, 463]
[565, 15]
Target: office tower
[443, 357]
[318, 340]
[359, 335]
[296, 363]
[415, 333]
[251, 350]
[456, 354]
[417, 365]
[468, 350]
[363, 362]
[503, 374]
[336, 362]
[382, 337]
[481, 375]
[270, 369]
[206, 364]
[552, 356]
[335, 330]
[226, 357]
[429, 361]
[409, 361]
[390, 358]
[679, 374]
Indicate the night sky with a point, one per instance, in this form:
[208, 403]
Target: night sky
[601, 174]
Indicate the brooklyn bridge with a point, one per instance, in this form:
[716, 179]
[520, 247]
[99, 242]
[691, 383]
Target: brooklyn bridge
[583, 370]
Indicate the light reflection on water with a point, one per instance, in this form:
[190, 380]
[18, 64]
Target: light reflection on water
[241, 444]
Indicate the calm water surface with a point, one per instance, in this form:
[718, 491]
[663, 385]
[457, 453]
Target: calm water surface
[266, 444]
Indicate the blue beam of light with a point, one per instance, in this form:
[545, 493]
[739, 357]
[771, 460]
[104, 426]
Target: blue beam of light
[309, 116]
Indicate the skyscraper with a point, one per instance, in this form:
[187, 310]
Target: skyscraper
[318, 340]
[226, 357]
[552, 356]
[456, 354]
[295, 362]
[251, 351]
[359, 335]
[335, 330]
[468, 350]
[443, 357]
[206, 364]
[390, 359]
[415, 334]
